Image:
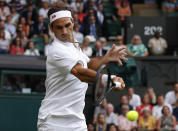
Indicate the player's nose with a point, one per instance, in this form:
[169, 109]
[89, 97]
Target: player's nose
[64, 30]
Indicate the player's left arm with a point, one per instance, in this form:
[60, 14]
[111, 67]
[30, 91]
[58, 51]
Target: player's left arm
[112, 55]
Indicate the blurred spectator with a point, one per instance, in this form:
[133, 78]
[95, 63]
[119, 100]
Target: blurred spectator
[17, 4]
[176, 6]
[123, 122]
[157, 44]
[112, 127]
[98, 50]
[16, 48]
[86, 48]
[4, 10]
[150, 92]
[167, 121]
[89, 4]
[43, 11]
[25, 25]
[31, 50]
[134, 99]
[100, 109]
[86, 20]
[118, 3]
[66, 3]
[137, 48]
[124, 10]
[157, 108]
[15, 16]
[76, 19]
[123, 101]
[172, 96]
[9, 26]
[7, 33]
[23, 37]
[81, 14]
[30, 14]
[4, 43]
[76, 4]
[101, 123]
[175, 113]
[104, 43]
[77, 34]
[90, 127]
[147, 122]
[19, 30]
[100, 14]
[120, 42]
[111, 117]
[169, 6]
[93, 28]
[41, 29]
[145, 104]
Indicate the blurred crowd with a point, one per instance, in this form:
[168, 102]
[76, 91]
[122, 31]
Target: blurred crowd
[156, 112]
[24, 27]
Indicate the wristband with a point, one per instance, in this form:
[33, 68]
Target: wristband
[117, 84]
[104, 79]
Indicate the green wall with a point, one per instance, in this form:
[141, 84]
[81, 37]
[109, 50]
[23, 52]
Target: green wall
[19, 112]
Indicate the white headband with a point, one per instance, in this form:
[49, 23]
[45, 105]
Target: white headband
[60, 14]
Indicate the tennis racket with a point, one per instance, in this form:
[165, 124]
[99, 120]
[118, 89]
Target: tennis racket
[100, 91]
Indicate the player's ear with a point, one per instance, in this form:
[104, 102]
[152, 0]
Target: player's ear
[51, 27]
[72, 22]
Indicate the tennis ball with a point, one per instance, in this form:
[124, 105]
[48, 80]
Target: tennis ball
[132, 115]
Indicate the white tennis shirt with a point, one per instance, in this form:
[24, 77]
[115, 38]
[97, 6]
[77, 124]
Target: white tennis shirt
[65, 94]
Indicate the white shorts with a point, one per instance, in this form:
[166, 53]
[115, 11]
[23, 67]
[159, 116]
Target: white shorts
[52, 123]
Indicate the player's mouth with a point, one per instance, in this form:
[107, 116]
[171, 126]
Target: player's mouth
[64, 36]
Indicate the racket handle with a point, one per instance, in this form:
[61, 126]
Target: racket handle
[117, 84]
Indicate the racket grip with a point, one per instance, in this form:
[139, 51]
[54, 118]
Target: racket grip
[117, 84]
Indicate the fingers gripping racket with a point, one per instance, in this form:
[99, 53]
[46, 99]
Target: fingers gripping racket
[100, 91]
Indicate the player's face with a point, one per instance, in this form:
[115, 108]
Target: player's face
[63, 29]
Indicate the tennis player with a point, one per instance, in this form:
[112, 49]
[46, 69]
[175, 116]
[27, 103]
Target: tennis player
[68, 73]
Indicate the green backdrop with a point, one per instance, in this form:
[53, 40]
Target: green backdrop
[19, 112]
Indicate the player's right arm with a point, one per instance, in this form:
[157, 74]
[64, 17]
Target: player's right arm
[84, 74]
[88, 75]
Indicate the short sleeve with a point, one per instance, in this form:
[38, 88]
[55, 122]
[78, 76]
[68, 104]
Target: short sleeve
[85, 56]
[65, 61]
[145, 48]
[150, 43]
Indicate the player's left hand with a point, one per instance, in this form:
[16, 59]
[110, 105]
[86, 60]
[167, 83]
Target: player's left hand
[119, 79]
[115, 55]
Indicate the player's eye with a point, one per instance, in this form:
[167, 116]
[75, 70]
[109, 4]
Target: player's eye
[67, 25]
[59, 27]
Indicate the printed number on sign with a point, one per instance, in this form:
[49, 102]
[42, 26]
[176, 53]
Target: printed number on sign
[149, 30]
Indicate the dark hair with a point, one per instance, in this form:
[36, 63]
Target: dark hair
[159, 95]
[14, 41]
[28, 43]
[60, 6]
[112, 124]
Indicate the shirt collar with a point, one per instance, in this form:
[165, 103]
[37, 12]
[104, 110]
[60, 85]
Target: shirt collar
[75, 44]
